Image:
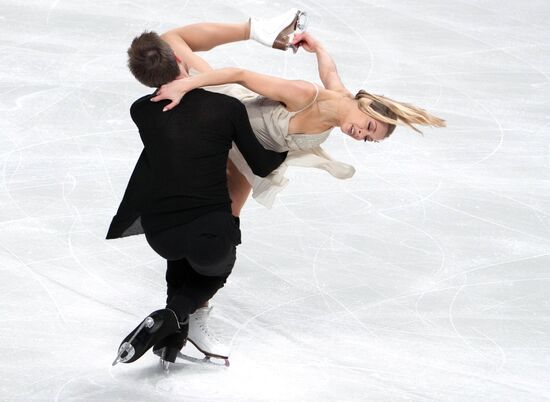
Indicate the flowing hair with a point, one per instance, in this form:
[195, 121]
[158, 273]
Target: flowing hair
[395, 113]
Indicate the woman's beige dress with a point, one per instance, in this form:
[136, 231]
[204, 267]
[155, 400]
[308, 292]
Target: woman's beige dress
[269, 120]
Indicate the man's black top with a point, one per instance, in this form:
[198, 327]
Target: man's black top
[181, 173]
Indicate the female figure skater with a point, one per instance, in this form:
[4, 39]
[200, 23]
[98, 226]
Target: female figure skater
[286, 115]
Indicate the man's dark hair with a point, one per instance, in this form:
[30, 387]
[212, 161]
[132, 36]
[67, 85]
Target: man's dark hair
[151, 60]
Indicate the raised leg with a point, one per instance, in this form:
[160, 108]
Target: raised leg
[275, 32]
[187, 40]
[207, 35]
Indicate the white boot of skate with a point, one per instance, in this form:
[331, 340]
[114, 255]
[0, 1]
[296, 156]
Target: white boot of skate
[278, 32]
[203, 338]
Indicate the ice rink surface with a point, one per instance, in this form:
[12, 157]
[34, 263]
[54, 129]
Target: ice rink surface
[424, 277]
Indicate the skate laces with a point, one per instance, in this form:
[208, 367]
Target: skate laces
[201, 316]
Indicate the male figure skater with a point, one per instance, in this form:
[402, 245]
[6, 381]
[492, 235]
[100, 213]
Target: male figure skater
[178, 197]
[154, 61]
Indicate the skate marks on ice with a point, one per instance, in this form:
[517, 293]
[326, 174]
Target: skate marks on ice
[423, 277]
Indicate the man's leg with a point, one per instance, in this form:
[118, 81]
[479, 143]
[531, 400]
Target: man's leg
[239, 191]
[171, 244]
[188, 292]
[209, 245]
[195, 290]
[180, 276]
[175, 276]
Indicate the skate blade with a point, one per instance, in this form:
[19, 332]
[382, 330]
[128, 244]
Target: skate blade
[125, 353]
[300, 26]
[209, 355]
[285, 37]
[301, 23]
[165, 365]
[205, 360]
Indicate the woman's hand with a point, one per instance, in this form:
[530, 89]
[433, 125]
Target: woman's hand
[308, 42]
[174, 91]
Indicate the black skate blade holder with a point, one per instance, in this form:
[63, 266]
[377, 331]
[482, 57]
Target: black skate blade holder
[127, 347]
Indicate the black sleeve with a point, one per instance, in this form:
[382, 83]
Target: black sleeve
[261, 161]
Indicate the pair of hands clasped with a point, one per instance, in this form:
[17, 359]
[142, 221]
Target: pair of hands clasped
[176, 89]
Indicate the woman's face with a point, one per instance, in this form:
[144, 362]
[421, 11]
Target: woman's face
[361, 126]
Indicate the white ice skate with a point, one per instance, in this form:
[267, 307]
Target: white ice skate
[204, 339]
[278, 32]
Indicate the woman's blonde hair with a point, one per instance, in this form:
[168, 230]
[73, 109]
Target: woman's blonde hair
[395, 113]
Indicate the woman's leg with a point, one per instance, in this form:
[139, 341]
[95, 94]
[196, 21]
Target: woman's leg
[272, 32]
[187, 40]
[207, 35]
[239, 188]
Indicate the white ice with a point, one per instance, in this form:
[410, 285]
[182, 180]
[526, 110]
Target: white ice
[424, 277]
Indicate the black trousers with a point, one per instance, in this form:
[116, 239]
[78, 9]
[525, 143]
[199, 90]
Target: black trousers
[200, 256]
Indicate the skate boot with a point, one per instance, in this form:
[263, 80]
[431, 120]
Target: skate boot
[278, 32]
[204, 339]
[158, 325]
[169, 347]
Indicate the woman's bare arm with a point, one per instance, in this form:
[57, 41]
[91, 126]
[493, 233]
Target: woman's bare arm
[295, 94]
[208, 35]
[328, 72]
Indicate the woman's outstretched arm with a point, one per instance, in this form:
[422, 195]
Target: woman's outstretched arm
[328, 72]
[295, 94]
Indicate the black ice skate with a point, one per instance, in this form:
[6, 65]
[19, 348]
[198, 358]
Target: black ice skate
[169, 347]
[158, 325]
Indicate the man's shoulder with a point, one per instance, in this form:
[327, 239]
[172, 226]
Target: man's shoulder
[143, 110]
[195, 101]
[143, 99]
[211, 97]
[141, 102]
[200, 102]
